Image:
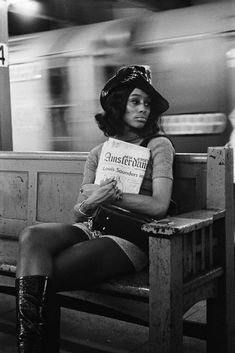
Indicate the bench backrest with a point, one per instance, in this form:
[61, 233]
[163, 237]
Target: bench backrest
[38, 187]
[43, 187]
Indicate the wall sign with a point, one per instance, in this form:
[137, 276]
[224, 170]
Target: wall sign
[3, 55]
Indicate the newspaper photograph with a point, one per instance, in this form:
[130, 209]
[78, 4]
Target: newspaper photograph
[124, 161]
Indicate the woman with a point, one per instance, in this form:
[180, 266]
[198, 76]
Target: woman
[55, 257]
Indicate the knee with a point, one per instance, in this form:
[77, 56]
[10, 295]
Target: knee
[30, 237]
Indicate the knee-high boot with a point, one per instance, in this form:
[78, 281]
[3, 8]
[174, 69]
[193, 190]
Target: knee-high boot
[37, 316]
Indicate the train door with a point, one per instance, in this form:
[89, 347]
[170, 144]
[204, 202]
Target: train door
[84, 101]
[29, 124]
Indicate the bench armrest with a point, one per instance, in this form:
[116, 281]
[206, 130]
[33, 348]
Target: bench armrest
[183, 223]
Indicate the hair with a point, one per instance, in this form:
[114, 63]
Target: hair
[111, 121]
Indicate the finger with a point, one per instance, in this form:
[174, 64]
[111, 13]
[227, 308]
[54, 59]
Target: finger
[111, 185]
[119, 194]
[104, 182]
[107, 188]
[107, 181]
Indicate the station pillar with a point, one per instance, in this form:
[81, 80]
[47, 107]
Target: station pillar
[5, 105]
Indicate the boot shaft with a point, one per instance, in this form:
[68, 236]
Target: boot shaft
[35, 309]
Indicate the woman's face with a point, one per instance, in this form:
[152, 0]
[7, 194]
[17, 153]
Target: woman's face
[137, 109]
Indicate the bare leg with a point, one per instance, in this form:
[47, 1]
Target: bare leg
[57, 257]
[39, 244]
[89, 262]
[37, 315]
[64, 252]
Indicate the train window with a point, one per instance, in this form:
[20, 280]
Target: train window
[194, 124]
[59, 109]
[58, 83]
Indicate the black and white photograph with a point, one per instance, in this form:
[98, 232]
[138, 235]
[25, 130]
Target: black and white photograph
[117, 176]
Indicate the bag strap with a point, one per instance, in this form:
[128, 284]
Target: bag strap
[146, 140]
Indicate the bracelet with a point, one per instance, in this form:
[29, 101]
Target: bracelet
[83, 213]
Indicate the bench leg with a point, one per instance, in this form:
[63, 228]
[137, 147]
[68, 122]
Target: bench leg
[166, 296]
[221, 311]
[220, 326]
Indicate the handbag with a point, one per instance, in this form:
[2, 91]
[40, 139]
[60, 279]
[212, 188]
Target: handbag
[114, 220]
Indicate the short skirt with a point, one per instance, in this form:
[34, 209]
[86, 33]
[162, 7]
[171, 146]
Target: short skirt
[137, 256]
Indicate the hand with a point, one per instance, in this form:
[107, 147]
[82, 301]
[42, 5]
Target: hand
[87, 189]
[105, 192]
[118, 192]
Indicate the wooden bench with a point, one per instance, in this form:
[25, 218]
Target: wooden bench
[191, 254]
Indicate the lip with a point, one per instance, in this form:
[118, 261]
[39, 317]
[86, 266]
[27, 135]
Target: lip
[141, 119]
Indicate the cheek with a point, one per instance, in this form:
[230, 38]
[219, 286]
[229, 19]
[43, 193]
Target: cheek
[126, 117]
[129, 109]
[128, 114]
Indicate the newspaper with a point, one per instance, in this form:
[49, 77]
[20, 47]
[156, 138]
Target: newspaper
[124, 161]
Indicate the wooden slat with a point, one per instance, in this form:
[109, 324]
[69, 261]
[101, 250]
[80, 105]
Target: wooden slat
[211, 257]
[194, 251]
[203, 236]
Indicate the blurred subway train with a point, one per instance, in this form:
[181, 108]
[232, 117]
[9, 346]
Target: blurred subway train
[56, 77]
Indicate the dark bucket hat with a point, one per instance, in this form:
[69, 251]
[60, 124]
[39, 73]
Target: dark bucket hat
[135, 76]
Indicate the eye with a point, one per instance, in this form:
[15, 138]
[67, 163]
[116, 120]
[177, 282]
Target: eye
[147, 104]
[134, 101]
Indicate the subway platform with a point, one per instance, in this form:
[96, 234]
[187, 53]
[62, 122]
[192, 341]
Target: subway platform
[86, 333]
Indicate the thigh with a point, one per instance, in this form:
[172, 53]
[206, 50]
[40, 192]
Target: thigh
[89, 262]
[51, 237]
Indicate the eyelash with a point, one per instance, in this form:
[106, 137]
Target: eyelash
[136, 101]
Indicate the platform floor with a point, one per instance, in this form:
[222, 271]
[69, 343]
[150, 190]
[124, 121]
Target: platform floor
[85, 333]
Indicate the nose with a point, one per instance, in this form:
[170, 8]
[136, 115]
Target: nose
[142, 107]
